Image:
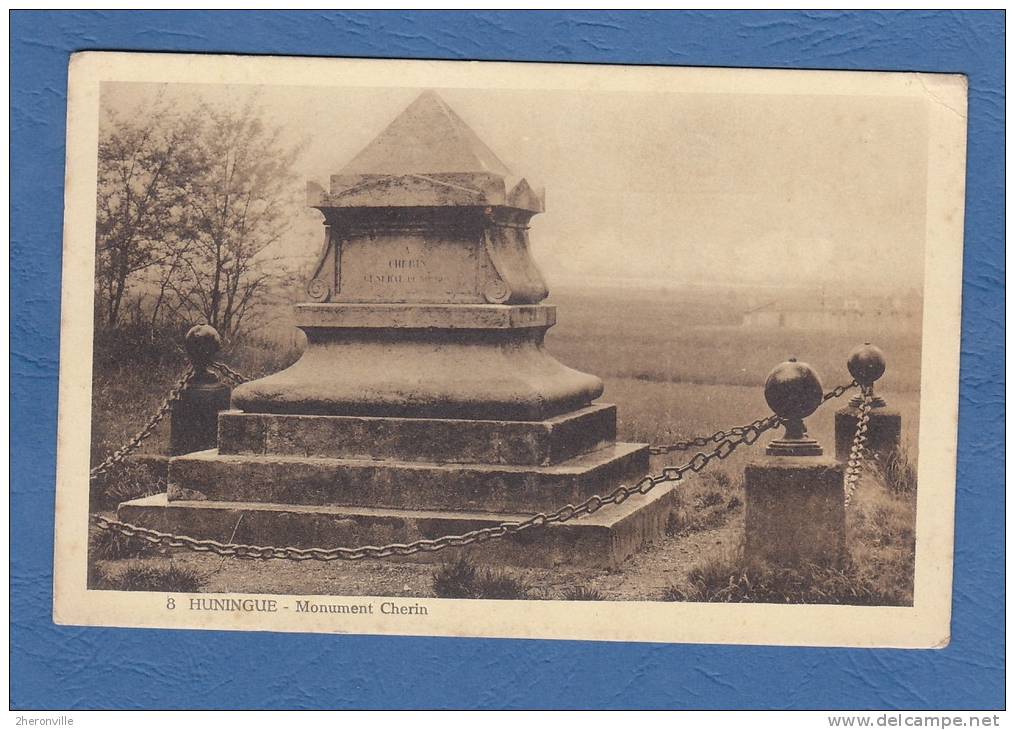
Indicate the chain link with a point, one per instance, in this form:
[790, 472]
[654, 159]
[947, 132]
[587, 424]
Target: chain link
[127, 449]
[646, 484]
[838, 391]
[235, 376]
[856, 452]
[700, 442]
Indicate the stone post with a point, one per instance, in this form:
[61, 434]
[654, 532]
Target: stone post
[884, 429]
[193, 424]
[795, 498]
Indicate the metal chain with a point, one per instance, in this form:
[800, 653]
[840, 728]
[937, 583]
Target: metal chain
[856, 451]
[727, 442]
[720, 436]
[124, 451]
[838, 391]
[229, 372]
[568, 512]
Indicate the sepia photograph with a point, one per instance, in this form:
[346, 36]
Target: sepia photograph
[493, 349]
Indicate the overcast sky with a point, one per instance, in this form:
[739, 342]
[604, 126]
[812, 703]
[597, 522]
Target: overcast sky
[666, 187]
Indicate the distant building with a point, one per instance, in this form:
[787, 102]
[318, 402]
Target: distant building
[880, 313]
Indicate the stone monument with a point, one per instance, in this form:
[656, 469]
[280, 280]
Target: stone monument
[425, 403]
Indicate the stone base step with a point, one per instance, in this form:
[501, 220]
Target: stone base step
[210, 475]
[601, 540]
[449, 440]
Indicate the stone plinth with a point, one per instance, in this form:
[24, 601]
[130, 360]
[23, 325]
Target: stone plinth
[408, 484]
[795, 511]
[425, 403]
[435, 440]
[884, 430]
[601, 540]
[423, 361]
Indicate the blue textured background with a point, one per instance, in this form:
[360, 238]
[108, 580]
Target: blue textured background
[58, 667]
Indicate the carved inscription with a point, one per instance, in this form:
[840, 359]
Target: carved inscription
[404, 271]
[408, 269]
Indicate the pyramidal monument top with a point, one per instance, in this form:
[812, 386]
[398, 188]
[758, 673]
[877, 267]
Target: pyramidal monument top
[427, 156]
[427, 137]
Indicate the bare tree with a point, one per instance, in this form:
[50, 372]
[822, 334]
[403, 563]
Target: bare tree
[239, 204]
[144, 164]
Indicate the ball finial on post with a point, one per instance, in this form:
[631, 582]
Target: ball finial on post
[793, 391]
[202, 343]
[193, 424]
[867, 364]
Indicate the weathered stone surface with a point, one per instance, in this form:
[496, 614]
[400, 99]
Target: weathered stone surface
[193, 420]
[427, 255]
[884, 431]
[493, 374]
[425, 317]
[602, 540]
[406, 485]
[427, 136]
[420, 439]
[795, 510]
[401, 258]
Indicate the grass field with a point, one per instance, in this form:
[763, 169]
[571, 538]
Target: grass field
[675, 367]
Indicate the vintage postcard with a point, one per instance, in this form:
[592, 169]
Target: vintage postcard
[510, 350]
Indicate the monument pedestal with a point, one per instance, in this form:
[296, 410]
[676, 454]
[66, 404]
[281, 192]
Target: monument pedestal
[329, 481]
[299, 478]
[425, 403]
[462, 361]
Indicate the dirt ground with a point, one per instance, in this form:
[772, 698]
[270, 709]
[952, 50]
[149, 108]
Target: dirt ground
[643, 577]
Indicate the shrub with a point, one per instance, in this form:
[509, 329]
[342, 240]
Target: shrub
[708, 499]
[675, 594]
[111, 545]
[582, 593]
[127, 480]
[137, 345]
[897, 472]
[148, 577]
[721, 479]
[674, 525]
[461, 579]
[455, 580]
[499, 585]
[731, 579]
